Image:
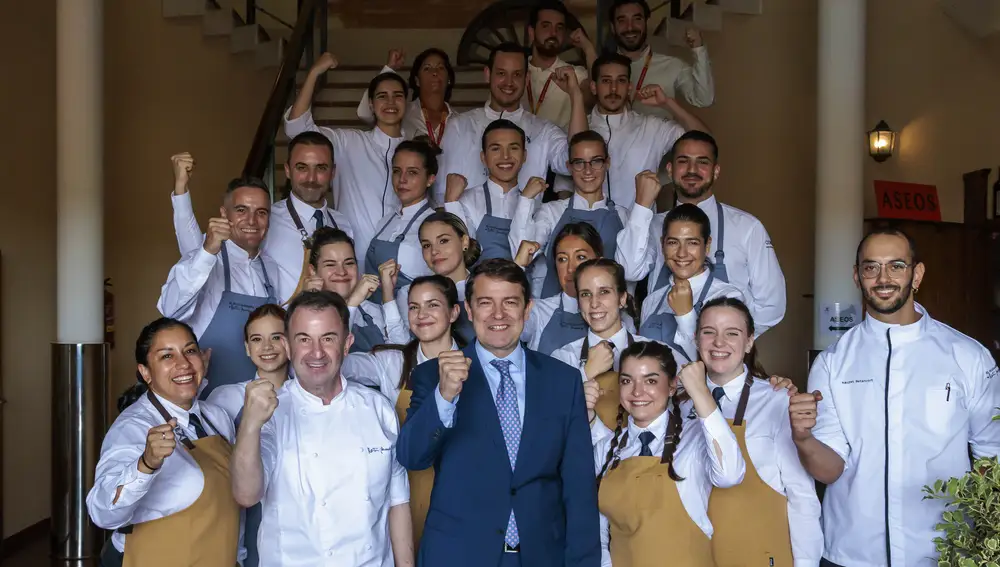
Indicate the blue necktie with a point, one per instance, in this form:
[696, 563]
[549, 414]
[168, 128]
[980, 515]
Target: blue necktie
[510, 423]
[718, 393]
[318, 215]
[646, 437]
[199, 430]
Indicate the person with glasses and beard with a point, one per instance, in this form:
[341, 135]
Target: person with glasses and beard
[892, 406]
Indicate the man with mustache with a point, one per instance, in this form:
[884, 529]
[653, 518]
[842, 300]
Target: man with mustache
[742, 253]
[547, 36]
[546, 143]
[892, 406]
[629, 20]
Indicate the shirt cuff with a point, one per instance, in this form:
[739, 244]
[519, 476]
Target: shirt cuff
[204, 260]
[301, 122]
[446, 409]
[134, 482]
[640, 216]
[700, 52]
[182, 203]
[687, 324]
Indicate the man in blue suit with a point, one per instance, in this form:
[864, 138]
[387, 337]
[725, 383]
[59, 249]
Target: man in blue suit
[506, 431]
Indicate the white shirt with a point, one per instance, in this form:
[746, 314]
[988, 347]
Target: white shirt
[411, 256]
[544, 309]
[283, 242]
[382, 369]
[471, 208]
[636, 142]
[773, 454]
[231, 397]
[656, 303]
[751, 262]
[943, 388]
[330, 477]
[175, 486]
[397, 314]
[695, 460]
[675, 76]
[547, 147]
[556, 107]
[414, 122]
[362, 187]
[373, 310]
[570, 354]
[195, 284]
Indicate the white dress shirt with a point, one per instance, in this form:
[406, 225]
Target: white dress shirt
[751, 262]
[283, 242]
[330, 477]
[695, 460]
[546, 147]
[411, 255]
[397, 314]
[382, 369]
[675, 76]
[943, 388]
[774, 456]
[231, 397]
[175, 486]
[471, 208]
[414, 122]
[556, 106]
[195, 284]
[544, 309]
[446, 409]
[362, 188]
[570, 354]
[636, 142]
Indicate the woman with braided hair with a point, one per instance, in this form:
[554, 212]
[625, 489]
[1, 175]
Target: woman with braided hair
[656, 470]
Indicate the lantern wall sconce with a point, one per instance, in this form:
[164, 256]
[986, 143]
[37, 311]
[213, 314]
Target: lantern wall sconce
[881, 142]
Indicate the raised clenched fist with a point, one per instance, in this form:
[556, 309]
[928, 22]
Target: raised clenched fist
[388, 273]
[183, 171]
[453, 371]
[219, 231]
[525, 252]
[366, 286]
[600, 359]
[802, 411]
[455, 185]
[396, 59]
[647, 188]
[680, 297]
[534, 187]
[160, 444]
[259, 403]
[325, 62]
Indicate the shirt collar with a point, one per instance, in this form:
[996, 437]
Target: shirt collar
[237, 254]
[498, 190]
[657, 428]
[579, 203]
[182, 415]
[569, 304]
[312, 403]
[305, 210]
[383, 140]
[733, 389]
[409, 212]
[708, 205]
[555, 65]
[516, 357]
[642, 54]
[422, 358]
[697, 283]
[601, 121]
[512, 115]
[901, 333]
[619, 339]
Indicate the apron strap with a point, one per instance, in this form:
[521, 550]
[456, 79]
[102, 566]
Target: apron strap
[409, 225]
[722, 232]
[302, 277]
[268, 288]
[225, 265]
[704, 291]
[489, 201]
[167, 417]
[741, 408]
[298, 222]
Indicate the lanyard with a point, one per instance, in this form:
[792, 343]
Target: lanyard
[435, 138]
[642, 75]
[541, 97]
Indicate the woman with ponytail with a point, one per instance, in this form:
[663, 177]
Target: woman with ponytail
[778, 494]
[433, 308]
[656, 470]
[187, 518]
[448, 251]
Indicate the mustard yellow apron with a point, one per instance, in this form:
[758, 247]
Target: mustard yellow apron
[421, 482]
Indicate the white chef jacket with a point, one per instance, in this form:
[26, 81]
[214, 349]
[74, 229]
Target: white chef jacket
[231, 397]
[557, 106]
[330, 477]
[636, 142]
[544, 309]
[414, 122]
[195, 284]
[751, 262]
[546, 146]
[381, 369]
[375, 312]
[175, 486]
[674, 76]
[397, 314]
[411, 256]
[570, 354]
[283, 242]
[774, 456]
[471, 207]
[942, 393]
[362, 188]
[695, 460]
[687, 325]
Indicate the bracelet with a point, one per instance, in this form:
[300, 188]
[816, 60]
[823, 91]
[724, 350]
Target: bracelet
[143, 459]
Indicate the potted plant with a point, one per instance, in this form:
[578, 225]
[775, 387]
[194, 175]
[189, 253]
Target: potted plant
[971, 520]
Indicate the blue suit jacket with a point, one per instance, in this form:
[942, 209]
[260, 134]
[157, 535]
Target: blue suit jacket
[552, 489]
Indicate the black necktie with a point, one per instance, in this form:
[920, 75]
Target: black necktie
[718, 393]
[195, 422]
[318, 215]
[646, 437]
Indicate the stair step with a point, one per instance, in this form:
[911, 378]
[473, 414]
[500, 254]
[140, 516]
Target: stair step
[184, 8]
[749, 7]
[457, 104]
[245, 38]
[269, 54]
[404, 69]
[215, 23]
[364, 85]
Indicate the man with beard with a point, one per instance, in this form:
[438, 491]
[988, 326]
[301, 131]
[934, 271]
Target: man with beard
[893, 406]
[309, 170]
[546, 147]
[629, 20]
[742, 253]
[547, 37]
[636, 142]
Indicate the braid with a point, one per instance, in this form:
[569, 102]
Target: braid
[674, 425]
[614, 444]
[409, 351]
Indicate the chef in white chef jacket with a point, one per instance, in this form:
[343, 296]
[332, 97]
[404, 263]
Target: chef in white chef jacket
[215, 286]
[629, 20]
[309, 169]
[742, 253]
[321, 455]
[363, 190]
[546, 143]
[892, 406]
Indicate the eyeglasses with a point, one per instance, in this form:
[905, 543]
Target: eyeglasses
[595, 163]
[871, 270]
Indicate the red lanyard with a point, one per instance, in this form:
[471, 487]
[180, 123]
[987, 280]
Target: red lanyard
[435, 138]
[532, 107]
[642, 76]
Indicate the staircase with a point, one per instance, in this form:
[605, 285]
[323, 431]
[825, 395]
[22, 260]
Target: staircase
[267, 47]
[980, 18]
[705, 15]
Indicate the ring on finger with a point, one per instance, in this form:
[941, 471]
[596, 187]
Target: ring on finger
[163, 436]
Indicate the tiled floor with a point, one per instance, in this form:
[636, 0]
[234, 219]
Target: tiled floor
[37, 555]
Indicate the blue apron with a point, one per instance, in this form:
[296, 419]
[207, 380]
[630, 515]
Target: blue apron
[663, 326]
[562, 329]
[379, 251]
[492, 234]
[719, 271]
[368, 336]
[229, 363]
[608, 225]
